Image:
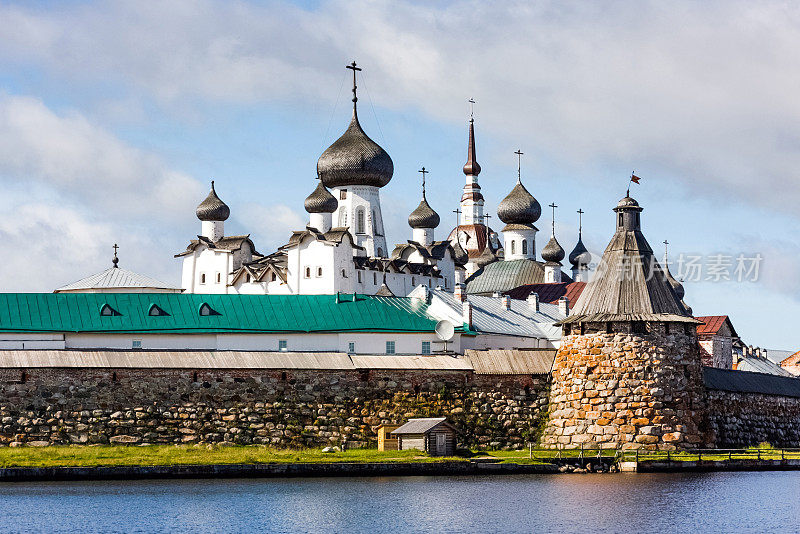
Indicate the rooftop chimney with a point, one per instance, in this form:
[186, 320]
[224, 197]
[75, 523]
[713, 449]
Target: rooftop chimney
[533, 302]
[563, 305]
[459, 292]
[506, 302]
[466, 314]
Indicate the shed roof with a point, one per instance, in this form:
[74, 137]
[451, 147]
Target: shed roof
[421, 425]
[511, 362]
[712, 324]
[81, 312]
[747, 382]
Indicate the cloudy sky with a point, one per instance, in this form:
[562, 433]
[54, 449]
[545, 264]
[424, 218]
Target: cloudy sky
[115, 115]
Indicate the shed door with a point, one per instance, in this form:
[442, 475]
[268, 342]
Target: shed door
[441, 444]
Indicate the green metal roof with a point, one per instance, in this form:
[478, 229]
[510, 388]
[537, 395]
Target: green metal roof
[81, 312]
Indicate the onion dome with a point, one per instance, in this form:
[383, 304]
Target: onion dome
[552, 251]
[423, 216]
[519, 207]
[212, 208]
[579, 257]
[355, 159]
[321, 200]
[460, 256]
[680, 292]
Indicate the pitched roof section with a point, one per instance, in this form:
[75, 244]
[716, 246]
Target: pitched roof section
[501, 276]
[629, 281]
[550, 292]
[80, 312]
[712, 325]
[761, 365]
[511, 362]
[117, 278]
[421, 426]
[746, 382]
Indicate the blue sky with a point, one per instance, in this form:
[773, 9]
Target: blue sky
[114, 117]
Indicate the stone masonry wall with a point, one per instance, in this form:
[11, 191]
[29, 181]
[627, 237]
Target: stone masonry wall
[279, 408]
[627, 390]
[747, 419]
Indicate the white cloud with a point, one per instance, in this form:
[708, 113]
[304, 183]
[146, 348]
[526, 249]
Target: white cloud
[270, 225]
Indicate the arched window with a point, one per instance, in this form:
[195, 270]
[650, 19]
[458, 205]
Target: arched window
[380, 252]
[343, 217]
[524, 246]
[308, 272]
[620, 219]
[360, 221]
[513, 247]
[375, 224]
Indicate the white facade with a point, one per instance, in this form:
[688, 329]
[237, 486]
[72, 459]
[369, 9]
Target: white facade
[519, 244]
[360, 211]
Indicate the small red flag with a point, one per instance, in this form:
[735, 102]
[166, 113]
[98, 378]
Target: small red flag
[635, 179]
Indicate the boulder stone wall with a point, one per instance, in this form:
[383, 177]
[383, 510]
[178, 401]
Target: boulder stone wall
[748, 419]
[291, 408]
[628, 390]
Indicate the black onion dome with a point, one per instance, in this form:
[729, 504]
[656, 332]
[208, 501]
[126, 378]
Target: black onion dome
[460, 256]
[519, 207]
[355, 159]
[423, 216]
[579, 257]
[552, 251]
[212, 208]
[321, 200]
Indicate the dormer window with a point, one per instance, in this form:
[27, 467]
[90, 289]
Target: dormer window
[247, 278]
[206, 310]
[156, 311]
[108, 311]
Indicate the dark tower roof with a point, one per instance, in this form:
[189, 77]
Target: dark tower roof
[552, 251]
[354, 158]
[579, 257]
[321, 200]
[423, 216]
[519, 207]
[460, 255]
[630, 284]
[212, 208]
[471, 167]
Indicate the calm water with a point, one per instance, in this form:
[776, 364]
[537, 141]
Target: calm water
[720, 502]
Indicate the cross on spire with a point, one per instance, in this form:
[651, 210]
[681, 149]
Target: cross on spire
[553, 205]
[424, 172]
[115, 261]
[519, 165]
[486, 218]
[458, 219]
[354, 68]
[471, 109]
[666, 250]
[580, 222]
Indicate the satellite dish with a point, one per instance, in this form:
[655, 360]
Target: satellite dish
[445, 330]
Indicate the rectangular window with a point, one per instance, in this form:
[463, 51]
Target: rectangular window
[307, 272]
[319, 272]
[202, 278]
[136, 344]
[390, 347]
[351, 347]
[219, 278]
[359, 277]
[283, 345]
[343, 194]
[426, 347]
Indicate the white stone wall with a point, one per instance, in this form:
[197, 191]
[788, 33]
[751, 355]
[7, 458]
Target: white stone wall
[513, 244]
[366, 198]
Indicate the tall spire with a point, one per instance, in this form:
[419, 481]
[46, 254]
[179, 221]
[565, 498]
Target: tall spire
[471, 167]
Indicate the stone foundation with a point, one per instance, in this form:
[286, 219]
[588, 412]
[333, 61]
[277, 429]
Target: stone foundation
[290, 408]
[628, 390]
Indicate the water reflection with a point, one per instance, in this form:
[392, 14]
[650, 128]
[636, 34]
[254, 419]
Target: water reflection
[719, 502]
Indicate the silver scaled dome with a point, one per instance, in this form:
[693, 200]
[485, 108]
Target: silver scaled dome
[321, 200]
[212, 208]
[552, 251]
[423, 216]
[355, 159]
[460, 255]
[519, 207]
[579, 257]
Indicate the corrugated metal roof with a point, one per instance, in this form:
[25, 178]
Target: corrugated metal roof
[489, 315]
[80, 312]
[549, 292]
[511, 362]
[761, 365]
[438, 362]
[117, 278]
[420, 426]
[747, 382]
[505, 275]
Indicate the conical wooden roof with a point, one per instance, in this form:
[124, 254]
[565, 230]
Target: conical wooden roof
[630, 284]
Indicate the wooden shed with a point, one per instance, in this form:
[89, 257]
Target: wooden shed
[387, 442]
[433, 435]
